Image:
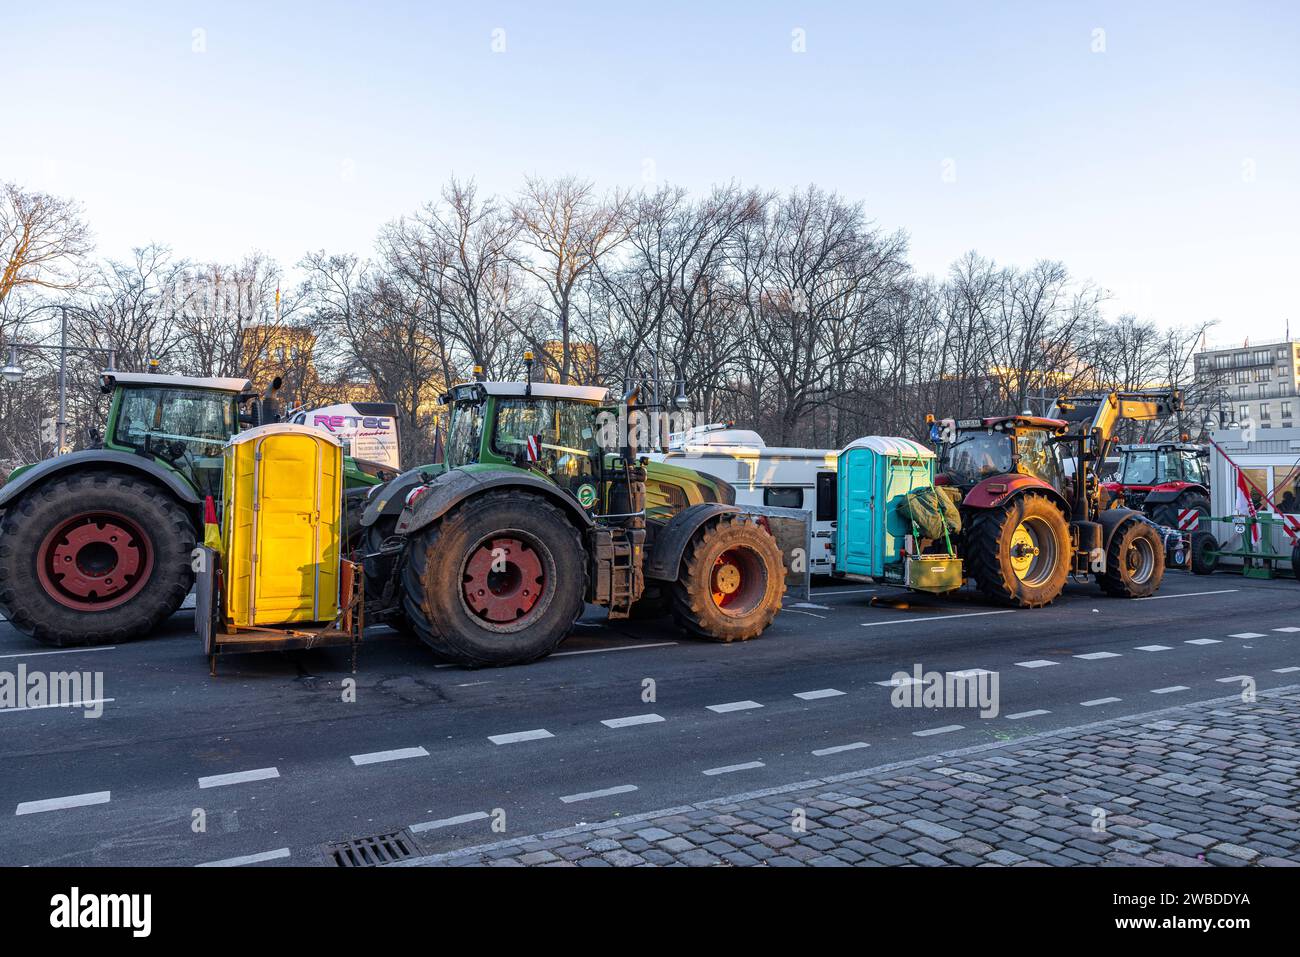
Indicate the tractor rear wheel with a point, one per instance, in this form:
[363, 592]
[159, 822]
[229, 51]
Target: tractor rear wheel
[499, 580]
[94, 558]
[1205, 553]
[1135, 562]
[1019, 554]
[1167, 515]
[731, 582]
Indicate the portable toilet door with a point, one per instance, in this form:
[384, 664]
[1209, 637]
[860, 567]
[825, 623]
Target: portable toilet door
[283, 524]
[874, 474]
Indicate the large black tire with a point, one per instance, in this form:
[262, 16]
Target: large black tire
[1135, 562]
[524, 612]
[730, 583]
[103, 523]
[998, 557]
[1205, 558]
[1295, 561]
[1167, 514]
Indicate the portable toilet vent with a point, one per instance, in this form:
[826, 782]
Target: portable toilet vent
[282, 524]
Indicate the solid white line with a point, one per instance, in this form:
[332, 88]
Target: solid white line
[1246, 634]
[1284, 671]
[516, 736]
[248, 859]
[69, 704]
[449, 821]
[734, 767]
[631, 720]
[1026, 714]
[59, 804]
[796, 611]
[733, 706]
[1203, 641]
[814, 695]
[601, 651]
[606, 792]
[397, 754]
[1170, 690]
[1096, 701]
[238, 777]
[856, 745]
[65, 651]
[808, 604]
[1153, 648]
[843, 591]
[944, 730]
[1036, 663]
[1189, 594]
[1098, 655]
[912, 621]
[1288, 630]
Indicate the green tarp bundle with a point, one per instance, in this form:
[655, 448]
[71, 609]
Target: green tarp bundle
[929, 510]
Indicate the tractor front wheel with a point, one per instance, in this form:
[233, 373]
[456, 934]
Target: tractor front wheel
[94, 558]
[1135, 562]
[499, 580]
[1019, 554]
[731, 582]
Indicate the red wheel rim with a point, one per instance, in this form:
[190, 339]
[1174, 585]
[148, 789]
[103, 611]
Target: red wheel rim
[503, 580]
[737, 581]
[94, 561]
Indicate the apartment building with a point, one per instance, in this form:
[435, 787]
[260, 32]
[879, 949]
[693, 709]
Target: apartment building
[1255, 382]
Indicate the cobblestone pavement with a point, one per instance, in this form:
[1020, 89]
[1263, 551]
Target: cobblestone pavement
[1214, 783]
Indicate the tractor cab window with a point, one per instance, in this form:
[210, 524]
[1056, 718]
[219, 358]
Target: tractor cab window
[977, 455]
[176, 424]
[1195, 468]
[1039, 456]
[465, 433]
[1139, 468]
[563, 435]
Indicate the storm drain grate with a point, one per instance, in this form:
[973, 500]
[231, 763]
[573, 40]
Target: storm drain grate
[372, 851]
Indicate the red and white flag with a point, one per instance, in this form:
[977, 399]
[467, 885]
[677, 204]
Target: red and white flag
[533, 448]
[1245, 505]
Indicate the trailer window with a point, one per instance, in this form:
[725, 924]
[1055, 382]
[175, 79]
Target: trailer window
[778, 496]
[826, 496]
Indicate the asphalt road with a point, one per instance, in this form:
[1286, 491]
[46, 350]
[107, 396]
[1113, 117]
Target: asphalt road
[267, 762]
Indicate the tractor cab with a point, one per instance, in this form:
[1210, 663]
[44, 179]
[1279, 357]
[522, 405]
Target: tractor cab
[972, 451]
[1146, 466]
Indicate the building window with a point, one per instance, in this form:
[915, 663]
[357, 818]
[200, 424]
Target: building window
[1286, 410]
[1243, 413]
[1263, 411]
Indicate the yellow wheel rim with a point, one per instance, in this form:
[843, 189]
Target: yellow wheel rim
[1033, 551]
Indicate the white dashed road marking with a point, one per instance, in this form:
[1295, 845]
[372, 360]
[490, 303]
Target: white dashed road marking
[814, 695]
[248, 859]
[606, 792]
[970, 673]
[728, 769]
[1189, 594]
[856, 745]
[1098, 655]
[1170, 690]
[1096, 701]
[449, 821]
[1153, 648]
[1284, 671]
[1036, 663]
[944, 730]
[63, 803]
[1233, 679]
[733, 706]
[899, 682]
[516, 736]
[238, 777]
[631, 720]
[1203, 641]
[397, 754]
[912, 621]
[1026, 714]
[82, 651]
[1289, 629]
[61, 704]
[1246, 634]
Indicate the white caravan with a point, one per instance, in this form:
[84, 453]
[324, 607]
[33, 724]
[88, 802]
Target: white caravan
[762, 475]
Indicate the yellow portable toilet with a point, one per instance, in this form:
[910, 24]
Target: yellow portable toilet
[282, 525]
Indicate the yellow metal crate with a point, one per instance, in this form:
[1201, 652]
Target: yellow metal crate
[282, 526]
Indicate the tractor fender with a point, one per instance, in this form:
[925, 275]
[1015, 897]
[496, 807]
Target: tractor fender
[451, 488]
[1112, 520]
[997, 490]
[1172, 492]
[665, 555]
[93, 458]
[389, 497]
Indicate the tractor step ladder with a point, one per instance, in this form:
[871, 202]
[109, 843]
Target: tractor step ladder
[616, 572]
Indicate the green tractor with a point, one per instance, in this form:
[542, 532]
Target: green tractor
[95, 545]
[542, 504]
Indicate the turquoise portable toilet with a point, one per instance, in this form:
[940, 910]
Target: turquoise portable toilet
[874, 474]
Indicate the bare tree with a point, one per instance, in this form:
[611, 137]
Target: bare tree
[43, 242]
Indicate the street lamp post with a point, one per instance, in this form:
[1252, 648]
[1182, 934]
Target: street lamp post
[13, 372]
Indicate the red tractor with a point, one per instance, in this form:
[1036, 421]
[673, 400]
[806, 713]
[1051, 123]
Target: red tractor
[1031, 504]
[1162, 480]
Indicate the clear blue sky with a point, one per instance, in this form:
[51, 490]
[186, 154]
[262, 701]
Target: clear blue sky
[1166, 168]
